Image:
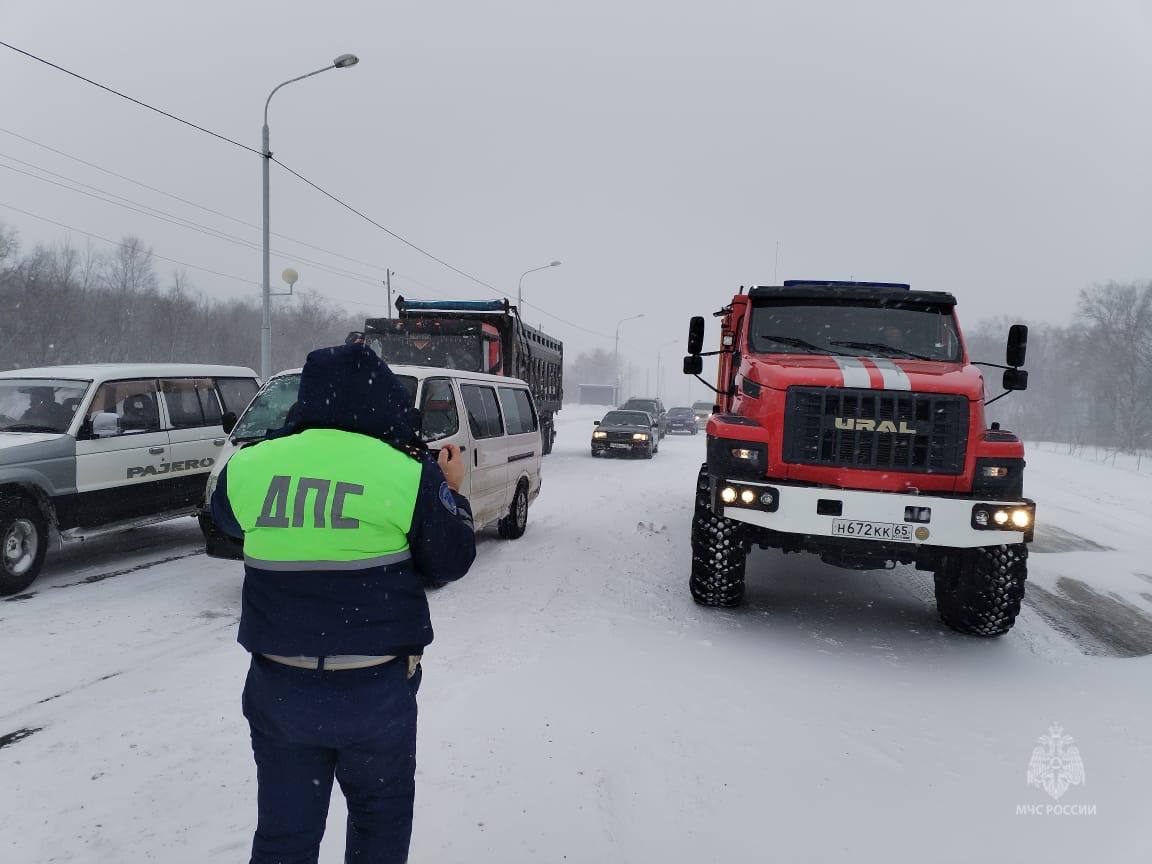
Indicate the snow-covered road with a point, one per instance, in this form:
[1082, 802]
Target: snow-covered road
[578, 707]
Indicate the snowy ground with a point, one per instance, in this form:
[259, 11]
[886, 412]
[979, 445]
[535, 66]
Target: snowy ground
[578, 707]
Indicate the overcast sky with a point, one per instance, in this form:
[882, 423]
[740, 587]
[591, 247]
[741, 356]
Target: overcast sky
[998, 149]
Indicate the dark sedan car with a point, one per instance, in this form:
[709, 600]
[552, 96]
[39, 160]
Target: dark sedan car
[626, 433]
[681, 420]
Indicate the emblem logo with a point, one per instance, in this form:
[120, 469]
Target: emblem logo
[862, 425]
[447, 499]
[1056, 764]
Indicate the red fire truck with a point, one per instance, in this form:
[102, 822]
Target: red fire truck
[850, 424]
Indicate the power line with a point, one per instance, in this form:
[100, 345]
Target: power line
[387, 231]
[172, 218]
[125, 246]
[176, 197]
[152, 254]
[142, 104]
[569, 323]
[291, 171]
[298, 176]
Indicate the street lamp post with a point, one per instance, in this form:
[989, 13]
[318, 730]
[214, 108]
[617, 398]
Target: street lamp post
[520, 288]
[341, 62]
[616, 355]
[659, 373]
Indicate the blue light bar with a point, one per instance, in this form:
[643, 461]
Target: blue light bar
[827, 283]
[456, 305]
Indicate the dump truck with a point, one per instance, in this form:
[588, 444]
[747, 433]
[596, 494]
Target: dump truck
[476, 336]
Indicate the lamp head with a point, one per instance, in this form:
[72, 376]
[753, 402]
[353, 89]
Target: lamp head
[345, 60]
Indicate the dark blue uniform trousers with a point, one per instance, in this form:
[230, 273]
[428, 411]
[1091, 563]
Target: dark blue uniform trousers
[357, 725]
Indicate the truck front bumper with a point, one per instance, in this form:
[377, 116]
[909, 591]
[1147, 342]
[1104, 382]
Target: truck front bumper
[844, 514]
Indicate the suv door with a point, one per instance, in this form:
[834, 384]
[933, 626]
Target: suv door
[440, 422]
[489, 452]
[122, 455]
[196, 434]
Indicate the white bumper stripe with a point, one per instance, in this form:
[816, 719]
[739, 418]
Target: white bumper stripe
[855, 373]
[951, 523]
[894, 377]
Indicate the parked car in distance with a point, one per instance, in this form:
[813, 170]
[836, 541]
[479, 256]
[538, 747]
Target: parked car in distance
[650, 405]
[88, 450]
[627, 433]
[491, 418]
[702, 410]
[681, 420]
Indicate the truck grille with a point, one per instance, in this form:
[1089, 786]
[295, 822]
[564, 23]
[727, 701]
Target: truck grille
[935, 445]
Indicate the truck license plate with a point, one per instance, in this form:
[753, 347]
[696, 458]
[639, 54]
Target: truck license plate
[872, 530]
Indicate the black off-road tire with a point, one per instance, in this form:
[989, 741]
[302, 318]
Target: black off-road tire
[513, 526]
[23, 528]
[979, 591]
[718, 553]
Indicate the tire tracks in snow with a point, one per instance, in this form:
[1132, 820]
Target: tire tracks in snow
[111, 574]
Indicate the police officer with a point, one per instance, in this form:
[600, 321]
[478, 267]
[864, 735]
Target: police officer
[345, 519]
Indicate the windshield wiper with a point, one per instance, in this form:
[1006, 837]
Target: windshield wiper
[880, 346]
[794, 342]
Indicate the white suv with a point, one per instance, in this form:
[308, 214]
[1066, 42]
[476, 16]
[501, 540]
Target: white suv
[491, 418]
[85, 450]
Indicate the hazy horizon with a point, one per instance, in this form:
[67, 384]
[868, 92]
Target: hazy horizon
[661, 151]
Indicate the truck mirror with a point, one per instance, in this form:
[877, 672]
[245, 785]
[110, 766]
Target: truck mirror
[693, 364]
[228, 422]
[1017, 345]
[1015, 379]
[695, 336]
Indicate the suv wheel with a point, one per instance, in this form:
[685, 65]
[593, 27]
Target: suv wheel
[978, 591]
[512, 526]
[718, 553]
[23, 544]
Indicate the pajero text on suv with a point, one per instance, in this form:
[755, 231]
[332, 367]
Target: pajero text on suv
[851, 425]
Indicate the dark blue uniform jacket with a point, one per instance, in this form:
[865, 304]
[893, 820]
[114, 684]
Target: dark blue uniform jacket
[377, 611]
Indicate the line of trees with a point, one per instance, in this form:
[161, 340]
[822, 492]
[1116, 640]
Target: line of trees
[1090, 380]
[63, 304]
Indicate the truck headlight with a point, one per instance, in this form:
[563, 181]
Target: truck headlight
[599, 434]
[1003, 517]
[728, 495]
[994, 471]
[639, 436]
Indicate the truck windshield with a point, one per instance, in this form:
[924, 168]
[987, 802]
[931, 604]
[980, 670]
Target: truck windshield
[911, 331]
[269, 410]
[39, 404]
[444, 350]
